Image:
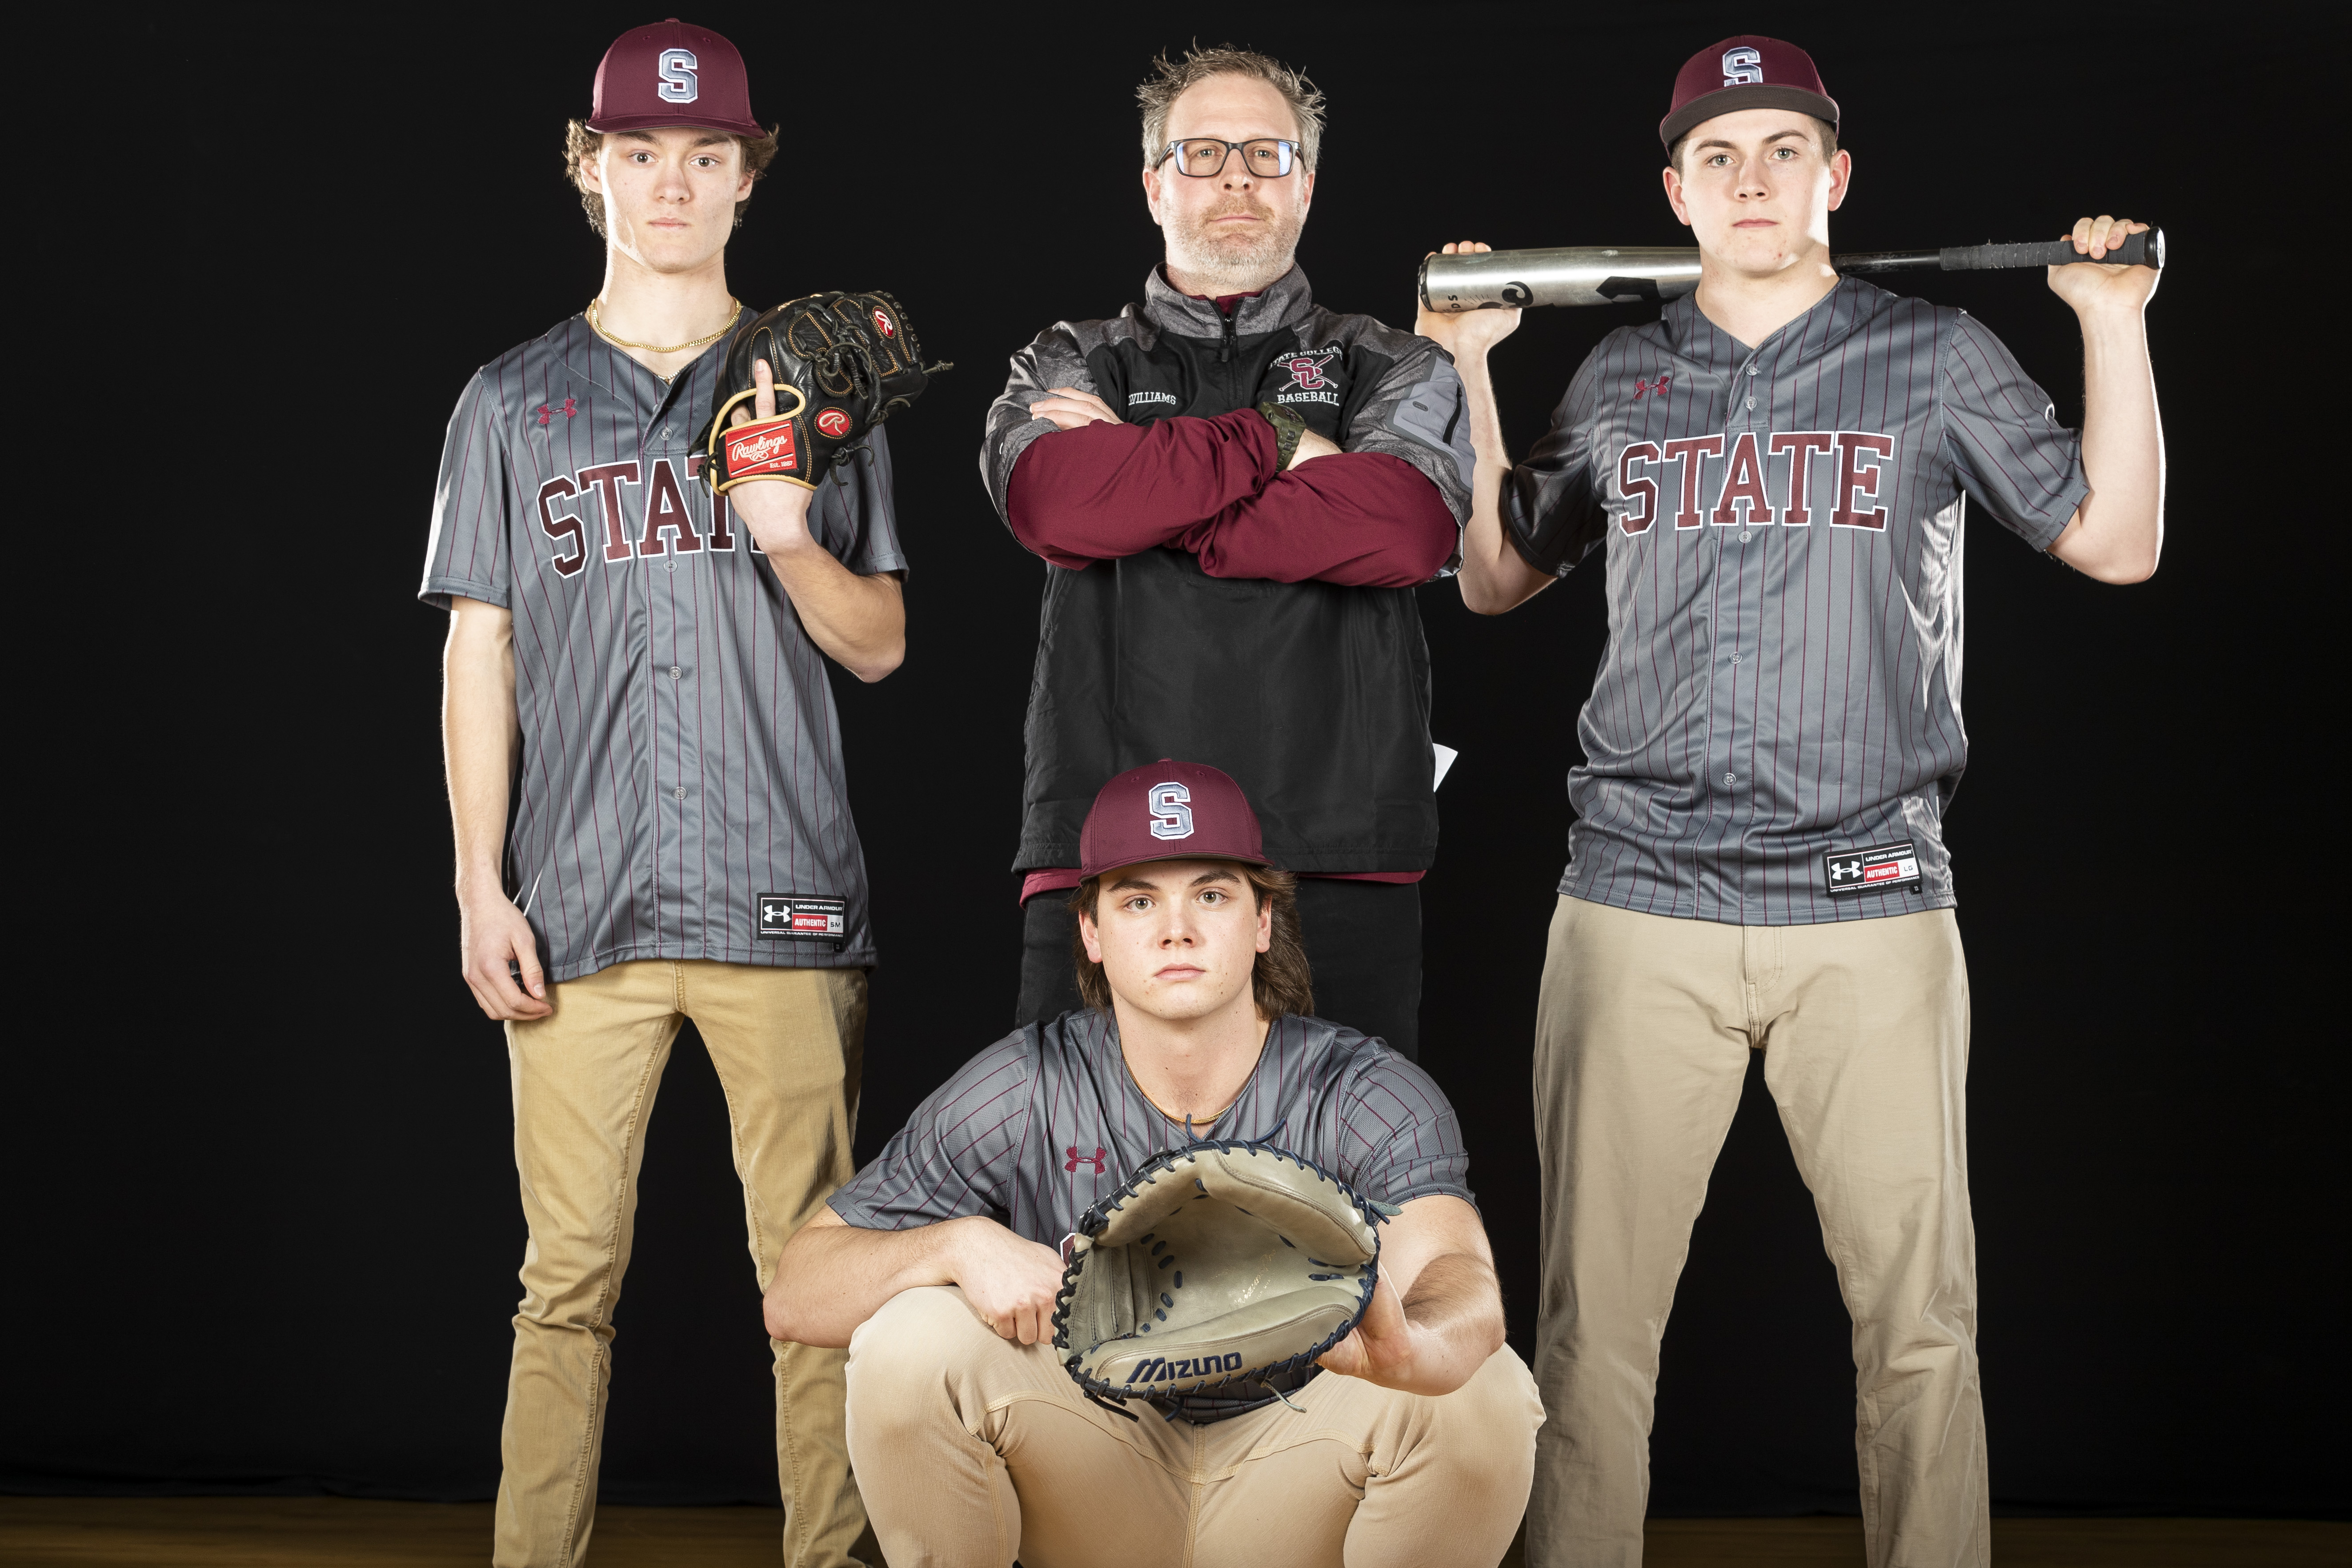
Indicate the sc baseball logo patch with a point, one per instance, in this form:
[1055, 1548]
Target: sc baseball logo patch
[1742, 67]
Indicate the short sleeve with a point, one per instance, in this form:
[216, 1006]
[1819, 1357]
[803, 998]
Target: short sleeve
[956, 1155]
[855, 515]
[1418, 414]
[468, 551]
[1403, 1138]
[1054, 360]
[2002, 436]
[1553, 510]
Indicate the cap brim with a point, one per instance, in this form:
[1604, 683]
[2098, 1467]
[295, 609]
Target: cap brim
[679, 122]
[1122, 865]
[1727, 99]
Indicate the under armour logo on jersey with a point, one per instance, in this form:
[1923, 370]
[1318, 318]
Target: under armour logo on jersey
[1171, 812]
[1742, 67]
[1652, 388]
[678, 85]
[1077, 1159]
[547, 416]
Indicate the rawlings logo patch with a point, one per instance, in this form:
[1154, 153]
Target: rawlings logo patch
[764, 449]
[883, 324]
[834, 422]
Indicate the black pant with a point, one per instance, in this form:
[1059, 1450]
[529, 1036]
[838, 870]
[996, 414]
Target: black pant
[1363, 944]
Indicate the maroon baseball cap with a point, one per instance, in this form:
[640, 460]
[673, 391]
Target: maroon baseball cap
[1169, 811]
[1746, 72]
[673, 73]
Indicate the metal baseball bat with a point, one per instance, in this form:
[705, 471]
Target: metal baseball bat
[1595, 275]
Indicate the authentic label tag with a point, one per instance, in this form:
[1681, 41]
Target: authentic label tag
[1877, 869]
[785, 916]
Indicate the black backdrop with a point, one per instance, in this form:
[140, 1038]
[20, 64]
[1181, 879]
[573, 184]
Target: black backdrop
[265, 1221]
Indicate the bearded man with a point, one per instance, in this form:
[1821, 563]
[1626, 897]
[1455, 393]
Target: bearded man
[1235, 492]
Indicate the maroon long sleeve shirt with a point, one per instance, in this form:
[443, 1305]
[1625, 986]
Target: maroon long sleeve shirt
[1360, 520]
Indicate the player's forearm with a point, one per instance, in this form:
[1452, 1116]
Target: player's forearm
[831, 1278]
[1455, 1308]
[859, 622]
[1494, 577]
[480, 739]
[2119, 529]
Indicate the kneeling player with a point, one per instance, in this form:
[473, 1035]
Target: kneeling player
[937, 1265]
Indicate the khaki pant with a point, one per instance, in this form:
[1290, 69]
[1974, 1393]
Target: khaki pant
[972, 1449]
[1641, 1041]
[787, 1044]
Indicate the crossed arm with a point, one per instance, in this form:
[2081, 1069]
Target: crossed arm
[1435, 1317]
[1098, 489]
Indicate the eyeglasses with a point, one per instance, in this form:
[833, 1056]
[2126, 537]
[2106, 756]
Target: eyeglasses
[1204, 157]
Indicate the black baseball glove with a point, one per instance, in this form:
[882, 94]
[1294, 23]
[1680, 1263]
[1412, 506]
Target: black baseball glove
[842, 365]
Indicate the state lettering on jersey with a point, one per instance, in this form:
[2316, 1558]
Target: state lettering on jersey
[1881, 869]
[799, 917]
[660, 520]
[1758, 479]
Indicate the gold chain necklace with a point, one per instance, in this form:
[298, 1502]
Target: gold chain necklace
[654, 348]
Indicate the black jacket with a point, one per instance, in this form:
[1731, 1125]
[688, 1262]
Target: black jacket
[1314, 697]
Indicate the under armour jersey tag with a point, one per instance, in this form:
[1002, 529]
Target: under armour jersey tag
[1883, 867]
[788, 916]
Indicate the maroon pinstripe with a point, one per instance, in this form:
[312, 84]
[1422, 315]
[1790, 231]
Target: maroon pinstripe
[1772, 689]
[652, 811]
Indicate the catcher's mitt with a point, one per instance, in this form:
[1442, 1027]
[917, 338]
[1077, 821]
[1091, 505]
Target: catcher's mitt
[842, 363]
[1223, 1268]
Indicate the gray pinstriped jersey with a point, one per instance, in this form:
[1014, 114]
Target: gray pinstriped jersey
[681, 757]
[1783, 528]
[1038, 1127]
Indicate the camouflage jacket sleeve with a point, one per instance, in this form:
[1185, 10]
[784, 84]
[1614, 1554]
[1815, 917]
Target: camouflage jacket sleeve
[1054, 360]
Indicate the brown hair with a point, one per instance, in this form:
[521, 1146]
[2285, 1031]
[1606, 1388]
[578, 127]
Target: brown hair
[580, 142]
[1280, 980]
[1822, 130]
[1170, 77]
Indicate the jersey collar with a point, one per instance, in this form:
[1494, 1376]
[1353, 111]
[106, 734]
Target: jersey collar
[1834, 317]
[1281, 303]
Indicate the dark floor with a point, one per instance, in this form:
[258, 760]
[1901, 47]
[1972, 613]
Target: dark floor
[337, 1532]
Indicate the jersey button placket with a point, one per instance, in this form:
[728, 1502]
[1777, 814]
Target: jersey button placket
[1723, 719]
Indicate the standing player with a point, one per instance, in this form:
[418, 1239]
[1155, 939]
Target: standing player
[1779, 469]
[640, 668]
[973, 1443]
[1208, 592]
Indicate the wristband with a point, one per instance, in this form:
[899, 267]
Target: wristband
[1288, 428]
